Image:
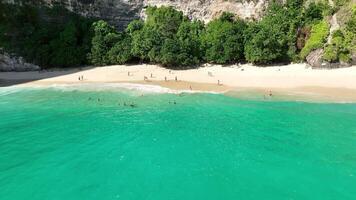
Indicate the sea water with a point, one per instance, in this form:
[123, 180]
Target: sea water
[93, 143]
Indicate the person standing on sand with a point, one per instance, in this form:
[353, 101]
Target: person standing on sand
[176, 78]
[151, 75]
[190, 87]
[165, 78]
[270, 93]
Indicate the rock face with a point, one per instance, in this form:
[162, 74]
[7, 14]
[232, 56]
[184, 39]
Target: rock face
[206, 10]
[353, 58]
[9, 63]
[315, 58]
[117, 12]
[121, 12]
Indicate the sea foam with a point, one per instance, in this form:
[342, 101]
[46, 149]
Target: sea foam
[130, 87]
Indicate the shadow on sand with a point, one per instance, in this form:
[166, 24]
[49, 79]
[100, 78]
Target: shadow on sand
[15, 78]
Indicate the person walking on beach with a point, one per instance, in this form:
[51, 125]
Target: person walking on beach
[176, 78]
[128, 73]
[190, 87]
[165, 78]
[151, 75]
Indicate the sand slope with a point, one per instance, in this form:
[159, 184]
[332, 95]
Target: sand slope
[297, 78]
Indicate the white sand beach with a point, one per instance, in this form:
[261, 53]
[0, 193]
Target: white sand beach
[293, 79]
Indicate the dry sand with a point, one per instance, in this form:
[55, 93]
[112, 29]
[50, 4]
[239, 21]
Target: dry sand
[294, 81]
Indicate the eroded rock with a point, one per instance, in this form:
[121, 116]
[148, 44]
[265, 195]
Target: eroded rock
[315, 58]
[11, 63]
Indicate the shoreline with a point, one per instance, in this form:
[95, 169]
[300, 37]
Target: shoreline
[289, 82]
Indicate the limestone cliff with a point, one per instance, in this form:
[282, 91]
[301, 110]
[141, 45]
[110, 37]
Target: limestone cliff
[121, 12]
[13, 63]
[208, 9]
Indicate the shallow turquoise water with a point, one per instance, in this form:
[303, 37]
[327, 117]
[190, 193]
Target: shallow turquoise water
[65, 144]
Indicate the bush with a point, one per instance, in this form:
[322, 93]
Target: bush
[223, 40]
[146, 44]
[330, 53]
[105, 37]
[313, 13]
[169, 52]
[120, 53]
[343, 43]
[318, 36]
[161, 24]
[268, 40]
[189, 41]
[185, 48]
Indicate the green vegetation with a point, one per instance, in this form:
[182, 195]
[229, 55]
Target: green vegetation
[185, 47]
[223, 40]
[318, 36]
[288, 32]
[47, 37]
[343, 42]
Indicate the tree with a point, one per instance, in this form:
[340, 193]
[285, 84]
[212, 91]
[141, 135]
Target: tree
[263, 44]
[161, 24]
[164, 20]
[120, 53]
[169, 52]
[146, 44]
[105, 37]
[273, 39]
[223, 40]
[135, 25]
[189, 41]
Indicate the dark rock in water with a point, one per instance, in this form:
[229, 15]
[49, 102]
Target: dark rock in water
[11, 63]
[315, 58]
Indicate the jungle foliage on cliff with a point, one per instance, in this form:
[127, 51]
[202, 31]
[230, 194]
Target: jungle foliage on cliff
[55, 37]
[49, 37]
[170, 38]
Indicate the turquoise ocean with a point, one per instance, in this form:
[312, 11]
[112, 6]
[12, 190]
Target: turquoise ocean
[91, 143]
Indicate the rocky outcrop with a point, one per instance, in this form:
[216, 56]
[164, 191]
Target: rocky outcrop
[353, 58]
[315, 58]
[121, 12]
[10, 63]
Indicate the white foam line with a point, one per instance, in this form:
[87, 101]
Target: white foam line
[155, 89]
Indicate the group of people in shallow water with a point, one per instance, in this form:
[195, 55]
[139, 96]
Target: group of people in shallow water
[125, 104]
[269, 95]
[132, 105]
